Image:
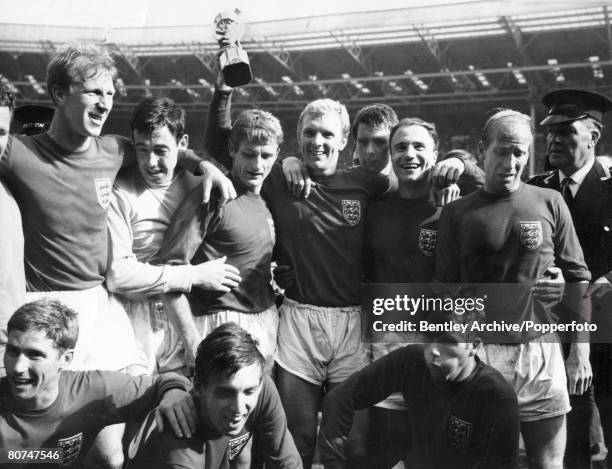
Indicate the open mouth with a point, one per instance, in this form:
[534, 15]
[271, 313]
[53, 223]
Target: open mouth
[409, 166]
[97, 118]
[20, 382]
[235, 422]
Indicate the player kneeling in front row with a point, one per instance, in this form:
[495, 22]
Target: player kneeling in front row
[234, 399]
[45, 406]
[463, 414]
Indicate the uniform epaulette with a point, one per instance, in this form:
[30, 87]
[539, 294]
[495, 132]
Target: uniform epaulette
[541, 177]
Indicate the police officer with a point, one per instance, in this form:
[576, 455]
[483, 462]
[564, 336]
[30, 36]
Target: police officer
[574, 126]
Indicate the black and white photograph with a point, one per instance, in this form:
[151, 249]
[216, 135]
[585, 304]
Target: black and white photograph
[321, 235]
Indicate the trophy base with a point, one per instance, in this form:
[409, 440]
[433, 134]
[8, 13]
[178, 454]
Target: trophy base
[234, 63]
[237, 74]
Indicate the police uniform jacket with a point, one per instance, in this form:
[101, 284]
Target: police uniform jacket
[591, 212]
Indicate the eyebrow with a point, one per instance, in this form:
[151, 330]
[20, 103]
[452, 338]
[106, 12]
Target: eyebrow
[28, 351]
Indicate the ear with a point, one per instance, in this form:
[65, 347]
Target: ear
[343, 143]
[476, 344]
[58, 94]
[66, 358]
[595, 134]
[232, 151]
[435, 158]
[183, 143]
[481, 149]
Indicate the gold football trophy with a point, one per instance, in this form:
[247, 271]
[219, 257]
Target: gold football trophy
[233, 60]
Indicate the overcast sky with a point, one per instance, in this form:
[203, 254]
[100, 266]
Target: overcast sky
[117, 13]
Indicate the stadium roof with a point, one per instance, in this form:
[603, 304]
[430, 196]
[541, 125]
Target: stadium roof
[454, 52]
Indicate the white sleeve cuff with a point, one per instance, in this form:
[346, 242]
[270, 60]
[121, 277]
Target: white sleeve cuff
[178, 278]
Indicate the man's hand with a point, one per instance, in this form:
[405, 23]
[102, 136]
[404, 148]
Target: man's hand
[447, 172]
[216, 275]
[284, 276]
[599, 288]
[213, 177]
[578, 369]
[550, 288]
[296, 176]
[445, 195]
[220, 82]
[178, 408]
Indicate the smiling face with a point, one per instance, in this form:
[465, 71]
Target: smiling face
[505, 156]
[252, 163]
[228, 401]
[86, 104]
[33, 364]
[372, 147]
[321, 139]
[157, 155]
[571, 145]
[413, 154]
[450, 360]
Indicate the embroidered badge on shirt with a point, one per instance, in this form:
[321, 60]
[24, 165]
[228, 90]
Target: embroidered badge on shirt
[427, 241]
[70, 448]
[459, 431]
[351, 211]
[103, 191]
[531, 235]
[235, 445]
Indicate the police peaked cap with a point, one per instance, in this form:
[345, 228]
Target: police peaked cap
[568, 105]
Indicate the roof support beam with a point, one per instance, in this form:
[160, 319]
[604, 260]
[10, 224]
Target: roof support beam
[132, 59]
[355, 51]
[208, 58]
[433, 46]
[534, 80]
[290, 62]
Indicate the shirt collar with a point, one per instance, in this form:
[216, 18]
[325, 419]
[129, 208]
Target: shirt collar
[578, 176]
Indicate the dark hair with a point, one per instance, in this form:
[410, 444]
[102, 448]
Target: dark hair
[374, 115]
[7, 98]
[408, 121]
[78, 61]
[225, 351]
[155, 113]
[256, 126]
[56, 320]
